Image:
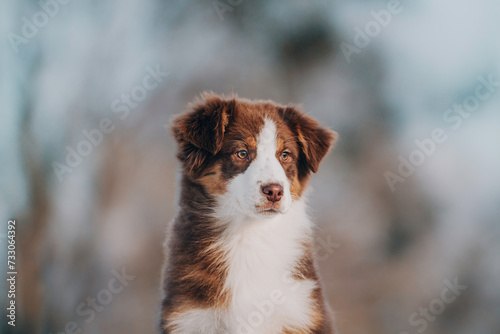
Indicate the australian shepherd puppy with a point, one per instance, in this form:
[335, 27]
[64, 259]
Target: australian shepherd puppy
[240, 250]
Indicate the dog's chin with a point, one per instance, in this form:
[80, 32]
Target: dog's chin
[269, 209]
[268, 212]
[261, 209]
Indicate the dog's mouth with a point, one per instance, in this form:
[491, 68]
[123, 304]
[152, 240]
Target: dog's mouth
[269, 212]
[269, 209]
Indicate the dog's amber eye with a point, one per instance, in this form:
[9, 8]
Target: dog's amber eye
[242, 154]
[285, 155]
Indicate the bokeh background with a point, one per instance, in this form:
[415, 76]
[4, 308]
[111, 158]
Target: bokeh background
[388, 253]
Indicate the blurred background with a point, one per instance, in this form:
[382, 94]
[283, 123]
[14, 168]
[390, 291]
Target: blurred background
[88, 169]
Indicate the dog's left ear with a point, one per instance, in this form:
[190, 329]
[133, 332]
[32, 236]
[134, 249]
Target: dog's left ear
[205, 124]
[314, 140]
[200, 132]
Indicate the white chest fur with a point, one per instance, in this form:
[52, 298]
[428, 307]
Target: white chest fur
[261, 255]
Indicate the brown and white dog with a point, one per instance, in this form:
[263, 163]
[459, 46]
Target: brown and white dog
[240, 256]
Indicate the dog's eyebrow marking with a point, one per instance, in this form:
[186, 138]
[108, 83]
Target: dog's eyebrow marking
[238, 141]
[292, 138]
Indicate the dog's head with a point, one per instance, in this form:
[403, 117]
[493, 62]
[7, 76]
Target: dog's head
[256, 157]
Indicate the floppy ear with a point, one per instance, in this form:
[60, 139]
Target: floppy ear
[314, 140]
[200, 132]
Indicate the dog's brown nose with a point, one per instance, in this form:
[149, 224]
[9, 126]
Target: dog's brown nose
[273, 192]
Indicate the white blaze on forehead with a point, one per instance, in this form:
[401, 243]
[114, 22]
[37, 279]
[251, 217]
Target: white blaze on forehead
[268, 135]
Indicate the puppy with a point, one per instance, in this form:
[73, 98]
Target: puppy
[240, 249]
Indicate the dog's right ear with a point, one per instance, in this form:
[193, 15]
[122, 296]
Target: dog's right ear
[200, 132]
